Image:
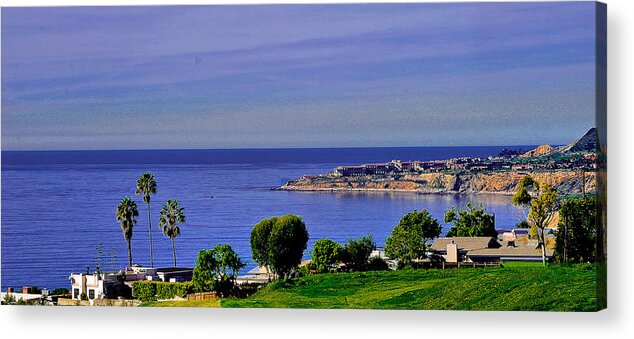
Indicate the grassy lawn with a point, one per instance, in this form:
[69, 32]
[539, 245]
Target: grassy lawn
[183, 303]
[513, 287]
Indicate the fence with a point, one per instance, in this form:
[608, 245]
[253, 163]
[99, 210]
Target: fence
[201, 296]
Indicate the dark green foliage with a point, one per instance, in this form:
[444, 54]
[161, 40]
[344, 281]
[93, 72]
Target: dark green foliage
[326, 253]
[408, 240]
[523, 197]
[60, 291]
[127, 213]
[470, 222]
[287, 244]
[216, 270]
[577, 230]
[260, 241]
[377, 264]
[357, 252]
[158, 290]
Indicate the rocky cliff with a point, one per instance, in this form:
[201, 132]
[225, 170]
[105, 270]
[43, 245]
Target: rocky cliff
[566, 182]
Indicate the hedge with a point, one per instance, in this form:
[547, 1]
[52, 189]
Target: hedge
[154, 290]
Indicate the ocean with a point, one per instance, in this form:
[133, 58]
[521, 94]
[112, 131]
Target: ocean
[58, 206]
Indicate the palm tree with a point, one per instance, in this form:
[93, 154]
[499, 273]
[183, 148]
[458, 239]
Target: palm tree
[146, 185]
[127, 213]
[169, 218]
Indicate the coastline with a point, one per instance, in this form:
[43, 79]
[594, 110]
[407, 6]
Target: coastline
[384, 190]
[490, 183]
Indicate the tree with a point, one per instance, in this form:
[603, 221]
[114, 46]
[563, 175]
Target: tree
[146, 185]
[522, 198]
[170, 217]
[326, 253]
[541, 213]
[216, 269]
[577, 230]
[287, 244]
[127, 213]
[470, 222]
[408, 240]
[260, 242]
[357, 252]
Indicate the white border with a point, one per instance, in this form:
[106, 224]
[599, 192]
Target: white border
[616, 322]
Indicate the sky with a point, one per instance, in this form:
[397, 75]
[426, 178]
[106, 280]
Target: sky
[171, 77]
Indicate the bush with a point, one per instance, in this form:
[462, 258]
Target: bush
[357, 252]
[326, 253]
[60, 291]
[154, 290]
[377, 264]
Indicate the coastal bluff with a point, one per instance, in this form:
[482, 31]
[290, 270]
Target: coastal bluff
[505, 183]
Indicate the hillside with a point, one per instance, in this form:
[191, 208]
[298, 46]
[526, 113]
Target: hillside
[587, 143]
[528, 288]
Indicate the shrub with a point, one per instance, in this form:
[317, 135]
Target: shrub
[326, 253]
[153, 290]
[377, 264]
[357, 252]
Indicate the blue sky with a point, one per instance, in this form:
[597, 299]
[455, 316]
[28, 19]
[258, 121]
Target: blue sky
[297, 75]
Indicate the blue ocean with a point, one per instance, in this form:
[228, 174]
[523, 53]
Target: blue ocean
[59, 206]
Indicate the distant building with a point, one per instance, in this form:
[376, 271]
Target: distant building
[112, 285]
[258, 275]
[488, 249]
[24, 295]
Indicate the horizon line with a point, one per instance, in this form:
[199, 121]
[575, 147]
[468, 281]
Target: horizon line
[255, 148]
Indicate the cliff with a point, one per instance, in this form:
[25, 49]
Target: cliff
[565, 181]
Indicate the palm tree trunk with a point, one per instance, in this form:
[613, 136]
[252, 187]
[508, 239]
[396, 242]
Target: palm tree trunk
[149, 222]
[129, 254]
[174, 252]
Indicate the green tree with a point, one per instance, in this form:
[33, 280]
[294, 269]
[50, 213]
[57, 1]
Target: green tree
[542, 211]
[287, 244]
[356, 253]
[326, 253]
[146, 186]
[577, 230]
[260, 242]
[127, 213]
[170, 217]
[522, 198]
[408, 240]
[470, 222]
[216, 269]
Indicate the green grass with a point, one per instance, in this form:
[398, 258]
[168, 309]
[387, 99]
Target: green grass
[183, 303]
[513, 287]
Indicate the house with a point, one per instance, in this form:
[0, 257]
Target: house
[455, 249]
[112, 285]
[25, 295]
[510, 251]
[258, 275]
[488, 250]
[98, 285]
